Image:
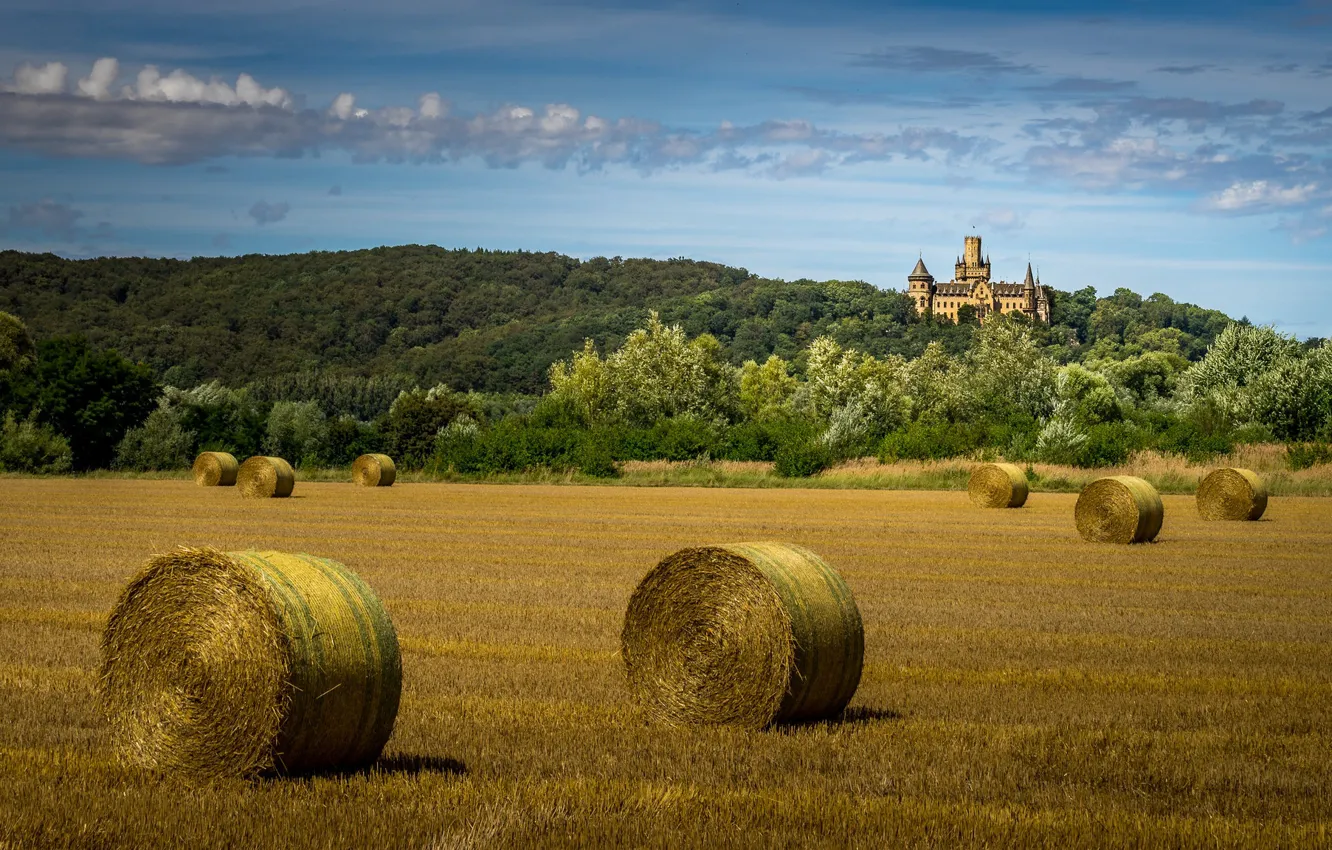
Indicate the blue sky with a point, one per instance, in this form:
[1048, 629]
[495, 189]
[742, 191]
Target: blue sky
[1183, 148]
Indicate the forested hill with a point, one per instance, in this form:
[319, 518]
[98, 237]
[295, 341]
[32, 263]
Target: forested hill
[495, 321]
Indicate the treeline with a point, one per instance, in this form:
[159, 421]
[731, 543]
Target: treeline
[495, 322]
[666, 393]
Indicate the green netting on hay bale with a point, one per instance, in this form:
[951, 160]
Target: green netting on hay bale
[997, 485]
[1231, 493]
[233, 664]
[1119, 509]
[215, 469]
[265, 478]
[374, 470]
[750, 634]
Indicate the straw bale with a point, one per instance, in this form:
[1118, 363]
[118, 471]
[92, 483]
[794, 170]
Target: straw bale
[214, 469]
[1231, 493]
[747, 634]
[1119, 509]
[997, 485]
[374, 471]
[265, 478]
[233, 664]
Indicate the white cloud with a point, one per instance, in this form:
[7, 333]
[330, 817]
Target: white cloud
[431, 106]
[97, 84]
[182, 87]
[179, 117]
[343, 106]
[40, 79]
[1259, 196]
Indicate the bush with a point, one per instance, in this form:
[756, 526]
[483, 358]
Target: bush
[1108, 444]
[1194, 441]
[802, 458]
[415, 419]
[160, 443]
[29, 447]
[681, 438]
[593, 457]
[761, 440]
[1304, 455]
[932, 441]
[347, 438]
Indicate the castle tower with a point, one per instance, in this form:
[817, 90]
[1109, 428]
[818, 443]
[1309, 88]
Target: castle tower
[971, 268]
[920, 286]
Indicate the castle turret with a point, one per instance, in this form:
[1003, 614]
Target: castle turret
[921, 287]
[1029, 294]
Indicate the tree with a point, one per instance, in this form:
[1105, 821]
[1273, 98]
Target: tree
[765, 390]
[1005, 376]
[17, 351]
[658, 373]
[90, 397]
[298, 432]
[417, 417]
[159, 443]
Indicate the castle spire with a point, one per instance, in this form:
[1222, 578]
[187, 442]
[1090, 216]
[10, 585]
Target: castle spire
[1029, 283]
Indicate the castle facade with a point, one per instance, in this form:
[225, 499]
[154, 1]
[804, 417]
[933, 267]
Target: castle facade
[971, 285]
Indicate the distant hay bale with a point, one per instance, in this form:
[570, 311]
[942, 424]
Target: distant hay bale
[234, 664]
[1232, 494]
[747, 634]
[265, 478]
[374, 471]
[215, 469]
[998, 485]
[1119, 509]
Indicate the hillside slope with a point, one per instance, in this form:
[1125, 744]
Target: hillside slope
[484, 320]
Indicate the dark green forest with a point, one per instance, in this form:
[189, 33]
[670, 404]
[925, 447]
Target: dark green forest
[490, 321]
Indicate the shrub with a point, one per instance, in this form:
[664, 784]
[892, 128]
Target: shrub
[27, 446]
[160, 443]
[593, 457]
[1107, 444]
[802, 458]
[931, 441]
[1304, 455]
[415, 420]
[1193, 440]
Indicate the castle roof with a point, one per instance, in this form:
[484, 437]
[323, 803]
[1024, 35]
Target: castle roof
[1029, 282]
[920, 270]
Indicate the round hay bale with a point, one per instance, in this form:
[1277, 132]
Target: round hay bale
[997, 485]
[374, 471]
[265, 478]
[215, 469]
[1119, 509]
[233, 664]
[1231, 493]
[747, 634]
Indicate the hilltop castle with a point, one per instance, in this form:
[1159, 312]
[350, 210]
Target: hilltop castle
[971, 285]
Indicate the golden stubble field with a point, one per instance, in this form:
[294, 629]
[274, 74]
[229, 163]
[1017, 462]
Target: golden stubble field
[1021, 687]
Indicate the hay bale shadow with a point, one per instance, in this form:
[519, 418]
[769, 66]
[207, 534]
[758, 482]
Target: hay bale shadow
[861, 715]
[413, 765]
[395, 765]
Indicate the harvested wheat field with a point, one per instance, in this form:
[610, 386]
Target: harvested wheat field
[1020, 687]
